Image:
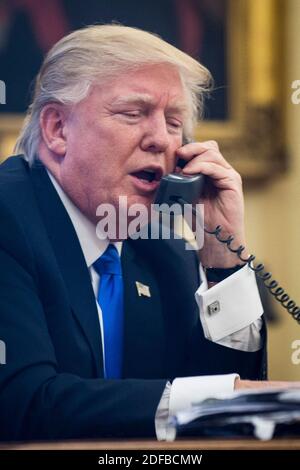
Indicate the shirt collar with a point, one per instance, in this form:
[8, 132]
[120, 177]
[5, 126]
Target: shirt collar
[92, 246]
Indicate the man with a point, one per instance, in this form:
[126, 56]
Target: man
[110, 109]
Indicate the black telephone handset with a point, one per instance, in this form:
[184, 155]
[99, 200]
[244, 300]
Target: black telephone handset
[186, 189]
[175, 186]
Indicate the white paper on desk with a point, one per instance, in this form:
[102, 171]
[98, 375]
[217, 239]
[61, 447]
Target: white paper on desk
[184, 417]
[264, 426]
[264, 409]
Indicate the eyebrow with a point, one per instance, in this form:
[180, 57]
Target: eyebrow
[141, 99]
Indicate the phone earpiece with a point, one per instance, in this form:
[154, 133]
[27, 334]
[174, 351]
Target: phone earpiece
[181, 163]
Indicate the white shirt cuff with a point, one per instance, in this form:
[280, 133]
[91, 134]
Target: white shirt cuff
[183, 393]
[189, 390]
[162, 414]
[230, 305]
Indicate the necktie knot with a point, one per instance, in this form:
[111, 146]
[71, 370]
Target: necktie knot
[109, 262]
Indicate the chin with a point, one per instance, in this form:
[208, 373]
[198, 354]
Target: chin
[123, 201]
[139, 199]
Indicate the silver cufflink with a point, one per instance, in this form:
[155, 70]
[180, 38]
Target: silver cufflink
[214, 308]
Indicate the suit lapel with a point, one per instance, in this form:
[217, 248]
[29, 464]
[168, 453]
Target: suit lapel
[144, 326]
[144, 329]
[71, 261]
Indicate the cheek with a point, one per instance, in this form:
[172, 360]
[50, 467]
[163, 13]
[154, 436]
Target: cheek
[172, 160]
[103, 152]
[113, 146]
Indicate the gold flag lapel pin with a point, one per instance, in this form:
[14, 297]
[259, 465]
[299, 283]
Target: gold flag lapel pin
[142, 289]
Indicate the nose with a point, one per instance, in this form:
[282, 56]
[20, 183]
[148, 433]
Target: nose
[156, 138]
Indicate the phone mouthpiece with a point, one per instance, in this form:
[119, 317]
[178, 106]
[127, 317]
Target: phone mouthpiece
[177, 186]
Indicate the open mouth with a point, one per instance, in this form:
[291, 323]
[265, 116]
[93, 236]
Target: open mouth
[148, 174]
[145, 175]
[147, 179]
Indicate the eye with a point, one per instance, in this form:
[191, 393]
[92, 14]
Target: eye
[131, 114]
[175, 124]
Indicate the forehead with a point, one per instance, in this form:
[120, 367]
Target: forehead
[151, 84]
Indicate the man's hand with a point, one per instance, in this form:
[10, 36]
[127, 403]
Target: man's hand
[223, 200]
[264, 384]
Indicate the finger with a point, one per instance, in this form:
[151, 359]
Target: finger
[223, 177]
[211, 156]
[209, 151]
[198, 147]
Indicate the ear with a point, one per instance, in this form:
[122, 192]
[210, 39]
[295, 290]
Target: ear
[53, 122]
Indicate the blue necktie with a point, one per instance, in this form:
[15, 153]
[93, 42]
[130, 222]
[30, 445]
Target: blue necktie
[110, 299]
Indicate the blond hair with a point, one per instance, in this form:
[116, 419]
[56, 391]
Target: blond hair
[98, 53]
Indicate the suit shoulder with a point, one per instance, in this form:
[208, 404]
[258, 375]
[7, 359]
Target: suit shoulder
[17, 205]
[14, 168]
[15, 185]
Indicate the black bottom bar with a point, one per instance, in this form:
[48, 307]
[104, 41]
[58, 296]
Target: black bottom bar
[141, 459]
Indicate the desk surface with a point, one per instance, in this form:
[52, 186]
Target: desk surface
[143, 444]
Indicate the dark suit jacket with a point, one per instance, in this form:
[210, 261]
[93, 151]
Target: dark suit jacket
[52, 385]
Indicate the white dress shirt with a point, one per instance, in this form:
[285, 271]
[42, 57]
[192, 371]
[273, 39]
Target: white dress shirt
[236, 322]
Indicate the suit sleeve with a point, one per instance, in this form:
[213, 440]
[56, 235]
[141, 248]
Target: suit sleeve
[206, 356]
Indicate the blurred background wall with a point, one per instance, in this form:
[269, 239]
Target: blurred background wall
[272, 215]
[272, 212]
